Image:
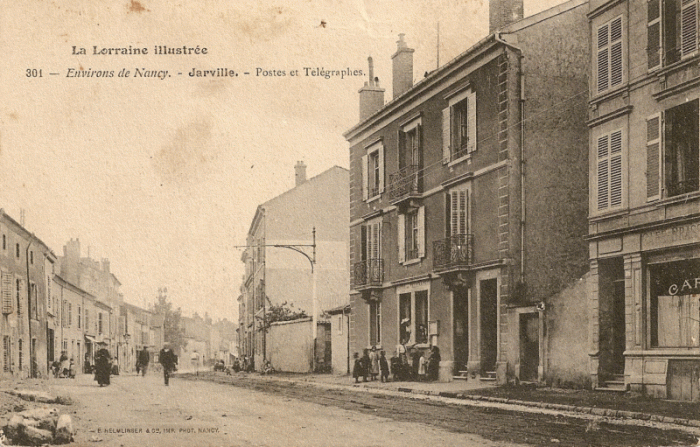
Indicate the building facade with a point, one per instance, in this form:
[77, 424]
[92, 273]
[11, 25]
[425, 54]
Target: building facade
[468, 196]
[276, 275]
[644, 218]
[26, 269]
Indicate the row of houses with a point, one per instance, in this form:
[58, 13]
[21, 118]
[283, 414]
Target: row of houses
[64, 304]
[531, 207]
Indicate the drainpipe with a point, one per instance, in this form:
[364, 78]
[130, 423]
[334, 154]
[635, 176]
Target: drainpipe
[348, 340]
[29, 313]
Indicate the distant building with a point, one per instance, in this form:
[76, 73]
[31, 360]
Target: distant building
[95, 278]
[26, 270]
[276, 275]
[468, 195]
[644, 216]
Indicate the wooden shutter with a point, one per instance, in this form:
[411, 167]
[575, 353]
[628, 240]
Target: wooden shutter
[402, 149]
[446, 135]
[421, 232]
[418, 152]
[7, 307]
[381, 169]
[603, 174]
[363, 243]
[603, 57]
[471, 118]
[616, 52]
[616, 169]
[653, 33]
[654, 157]
[689, 27]
[365, 178]
[458, 212]
[401, 230]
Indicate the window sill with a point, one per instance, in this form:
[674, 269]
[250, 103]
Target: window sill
[373, 199]
[456, 161]
[411, 261]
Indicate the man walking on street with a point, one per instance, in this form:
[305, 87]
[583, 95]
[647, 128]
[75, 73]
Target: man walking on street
[168, 359]
[143, 360]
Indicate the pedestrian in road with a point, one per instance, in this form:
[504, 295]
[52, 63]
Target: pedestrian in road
[65, 365]
[103, 366]
[383, 367]
[356, 367]
[365, 364]
[142, 363]
[434, 363]
[168, 359]
[415, 363]
[373, 363]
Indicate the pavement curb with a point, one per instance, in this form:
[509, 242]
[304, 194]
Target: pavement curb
[595, 411]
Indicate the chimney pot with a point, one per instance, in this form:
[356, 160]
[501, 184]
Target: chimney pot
[402, 67]
[371, 94]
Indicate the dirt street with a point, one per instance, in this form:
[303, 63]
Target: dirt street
[496, 425]
[138, 411]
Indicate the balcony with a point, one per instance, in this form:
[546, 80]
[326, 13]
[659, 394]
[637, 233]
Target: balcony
[453, 253]
[405, 184]
[368, 274]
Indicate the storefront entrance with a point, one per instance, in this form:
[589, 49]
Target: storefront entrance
[460, 303]
[529, 346]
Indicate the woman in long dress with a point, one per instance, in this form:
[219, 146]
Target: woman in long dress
[103, 365]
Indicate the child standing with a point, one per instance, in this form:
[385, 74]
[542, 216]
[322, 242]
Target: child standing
[357, 367]
[422, 367]
[383, 367]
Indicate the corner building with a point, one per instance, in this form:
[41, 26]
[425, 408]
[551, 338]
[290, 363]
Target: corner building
[468, 195]
[644, 219]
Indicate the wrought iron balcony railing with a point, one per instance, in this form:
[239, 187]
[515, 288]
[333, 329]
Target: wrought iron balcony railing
[368, 273]
[453, 251]
[404, 183]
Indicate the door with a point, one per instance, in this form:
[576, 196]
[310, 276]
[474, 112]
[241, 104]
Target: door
[460, 302]
[529, 346]
[488, 305]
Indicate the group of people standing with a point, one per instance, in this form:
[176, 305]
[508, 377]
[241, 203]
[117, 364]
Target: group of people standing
[407, 364]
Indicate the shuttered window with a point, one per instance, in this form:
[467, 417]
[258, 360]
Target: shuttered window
[609, 170]
[653, 33]
[411, 235]
[373, 172]
[609, 55]
[7, 304]
[459, 130]
[689, 27]
[653, 172]
[459, 204]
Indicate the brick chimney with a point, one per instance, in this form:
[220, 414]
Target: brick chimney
[402, 62]
[371, 94]
[503, 12]
[299, 173]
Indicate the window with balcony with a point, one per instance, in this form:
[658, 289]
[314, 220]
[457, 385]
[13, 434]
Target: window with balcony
[369, 270]
[411, 234]
[459, 127]
[673, 157]
[373, 172]
[456, 249]
[406, 182]
[609, 57]
[413, 317]
[672, 31]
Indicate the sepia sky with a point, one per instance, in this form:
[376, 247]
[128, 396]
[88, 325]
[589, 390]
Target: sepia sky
[163, 176]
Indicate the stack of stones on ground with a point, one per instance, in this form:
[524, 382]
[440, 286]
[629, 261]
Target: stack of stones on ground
[39, 426]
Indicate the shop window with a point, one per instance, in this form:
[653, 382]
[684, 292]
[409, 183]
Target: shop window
[674, 304]
[413, 317]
